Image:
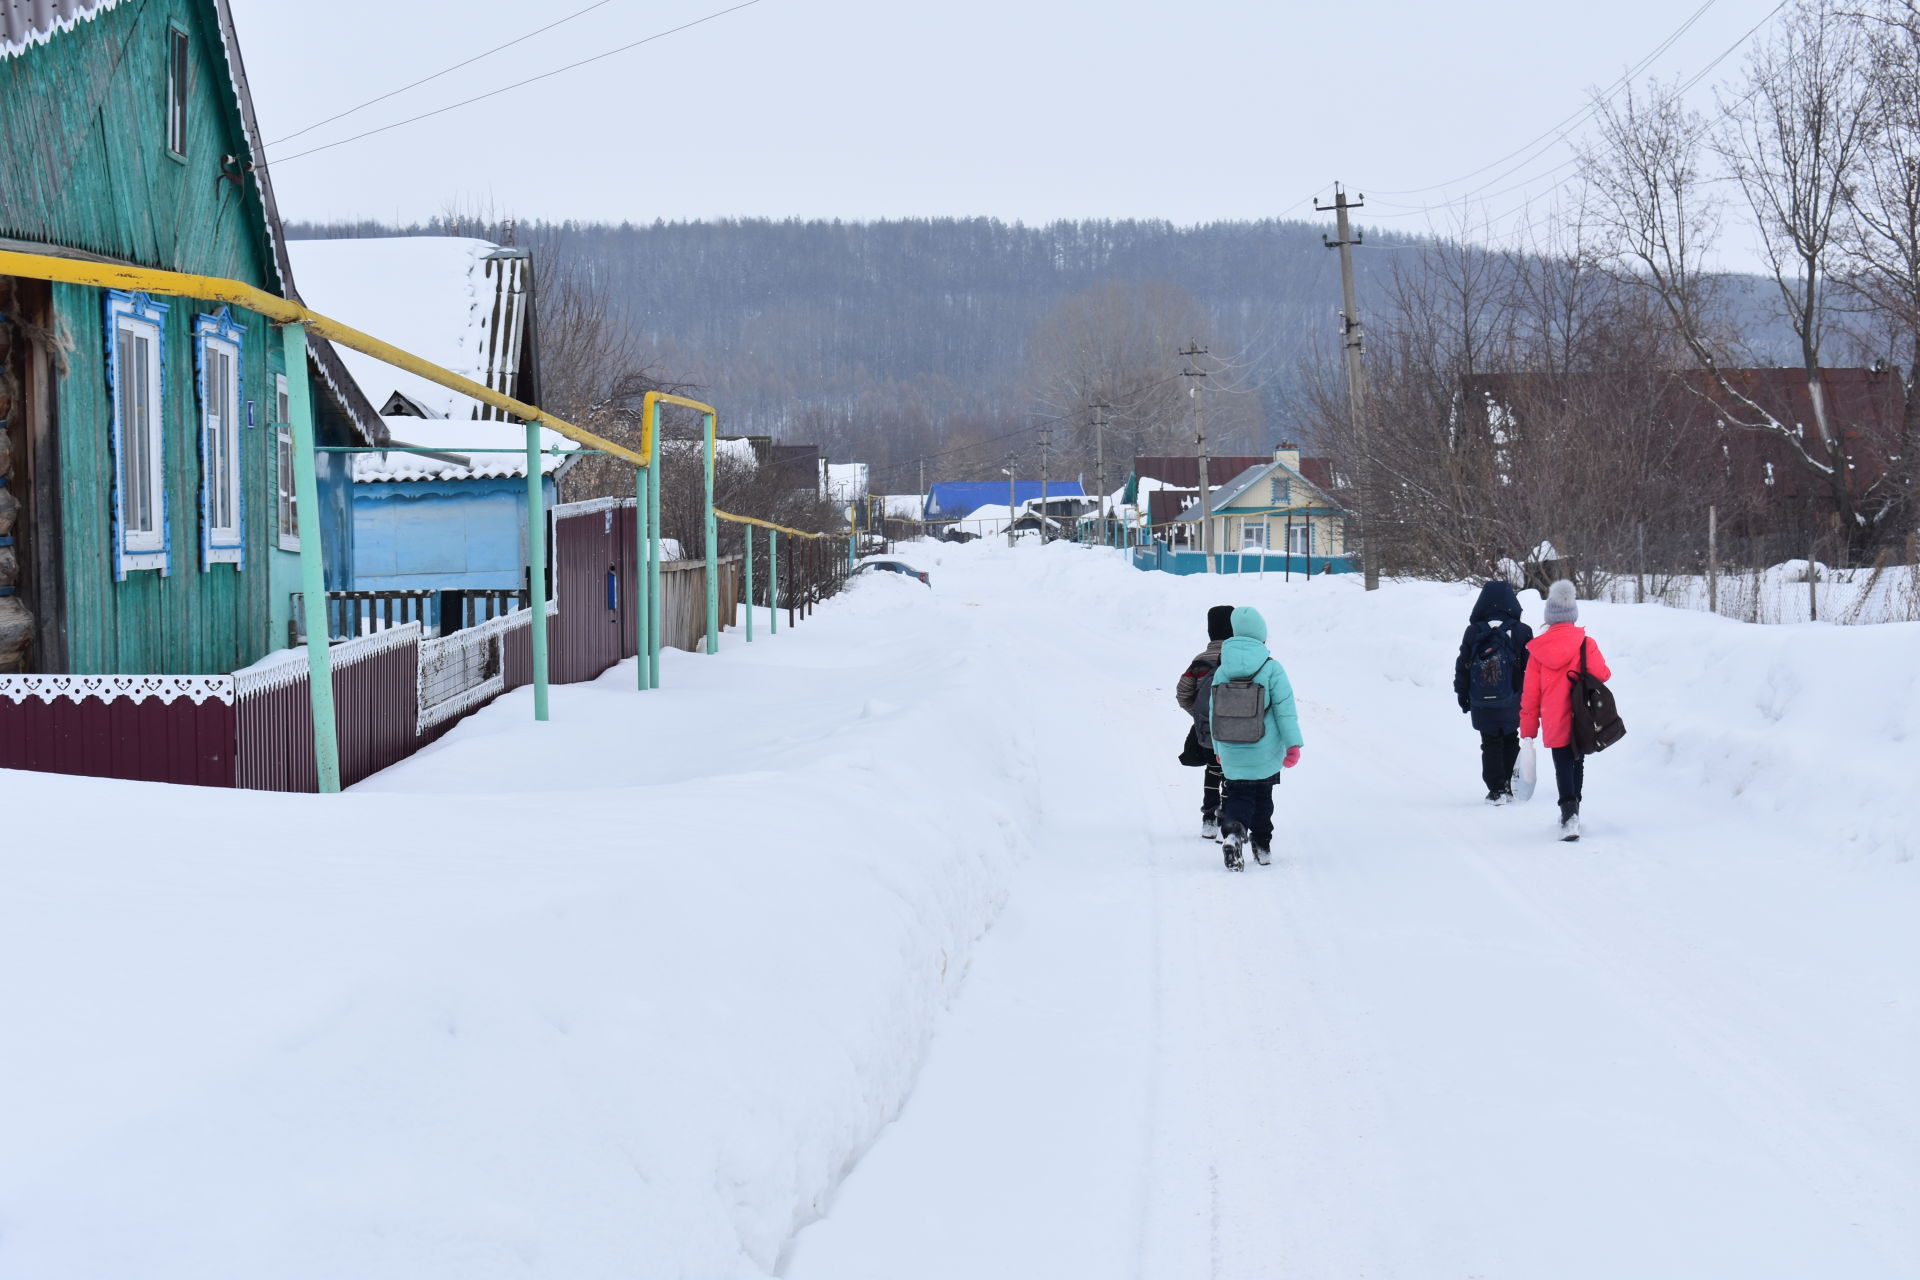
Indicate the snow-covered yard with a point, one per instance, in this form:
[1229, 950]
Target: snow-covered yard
[638, 992]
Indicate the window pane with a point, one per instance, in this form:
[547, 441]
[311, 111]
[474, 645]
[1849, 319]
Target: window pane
[177, 93]
[137, 506]
[229, 454]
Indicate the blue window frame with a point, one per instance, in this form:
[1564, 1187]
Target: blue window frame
[136, 329]
[218, 344]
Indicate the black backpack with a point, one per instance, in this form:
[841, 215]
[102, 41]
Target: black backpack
[1596, 721]
[1490, 671]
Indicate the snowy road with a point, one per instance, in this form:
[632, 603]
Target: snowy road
[1427, 1042]
[886, 948]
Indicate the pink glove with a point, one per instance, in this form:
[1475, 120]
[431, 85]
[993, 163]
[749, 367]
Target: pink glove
[1293, 758]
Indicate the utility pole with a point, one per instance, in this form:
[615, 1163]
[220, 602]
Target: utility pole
[1356, 377]
[1200, 444]
[1046, 438]
[1100, 409]
[1009, 470]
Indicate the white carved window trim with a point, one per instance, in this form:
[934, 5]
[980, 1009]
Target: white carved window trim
[136, 396]
[218, 345]
[287, 506]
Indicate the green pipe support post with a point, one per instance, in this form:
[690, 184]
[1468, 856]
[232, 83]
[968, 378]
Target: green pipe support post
[313, 572]
[713, 547]
[748, 531]
[537, 568]
[642, 548]
[654, 526]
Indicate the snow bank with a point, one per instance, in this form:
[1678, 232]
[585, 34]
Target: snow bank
[621, 995]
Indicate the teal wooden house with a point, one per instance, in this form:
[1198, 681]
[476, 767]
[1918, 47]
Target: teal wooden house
[147, 516]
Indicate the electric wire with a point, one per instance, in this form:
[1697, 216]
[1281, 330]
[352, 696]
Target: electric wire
[1555, 130]
[520, 84]
[394, 93]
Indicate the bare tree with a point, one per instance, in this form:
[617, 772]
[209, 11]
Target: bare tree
[1882, 236]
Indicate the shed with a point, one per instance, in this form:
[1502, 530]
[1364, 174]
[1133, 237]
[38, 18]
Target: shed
[453, 518]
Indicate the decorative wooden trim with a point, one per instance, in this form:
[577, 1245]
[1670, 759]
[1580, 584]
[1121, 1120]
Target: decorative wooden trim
[141, 310]
[209, 331]
[136, 689]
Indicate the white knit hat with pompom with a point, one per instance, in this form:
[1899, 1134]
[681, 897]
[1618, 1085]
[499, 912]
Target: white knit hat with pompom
[1561, 605]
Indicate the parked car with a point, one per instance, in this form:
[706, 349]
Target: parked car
[892, 566]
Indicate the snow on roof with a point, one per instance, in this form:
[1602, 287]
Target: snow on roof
[450, 300]
[846, 481]
[25, 23]
[457, 436]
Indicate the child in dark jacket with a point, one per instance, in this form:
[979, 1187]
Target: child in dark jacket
[1191, 693]
[1488, 677]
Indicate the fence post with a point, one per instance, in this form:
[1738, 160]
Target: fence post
[1713, 559]
[773, 582]
[537, 568]
[713, 549]
[792, 587]
[313, 575]
[1813, 580]
[747, 533]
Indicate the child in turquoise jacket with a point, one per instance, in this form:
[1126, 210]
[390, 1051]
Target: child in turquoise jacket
[1252, 768]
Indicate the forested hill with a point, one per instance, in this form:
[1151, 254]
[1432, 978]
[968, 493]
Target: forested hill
[896, 339]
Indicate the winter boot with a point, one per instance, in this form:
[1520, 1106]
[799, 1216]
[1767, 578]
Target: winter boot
[1262, 855]
[1209, 827]
[1497, 798]
[1233, 838]
[1569, 820]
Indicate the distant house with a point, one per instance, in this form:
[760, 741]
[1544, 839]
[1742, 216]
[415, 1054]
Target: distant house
[1272, 506]
[949, 500]
[1770, 490]
[455, 518]
[148, 524]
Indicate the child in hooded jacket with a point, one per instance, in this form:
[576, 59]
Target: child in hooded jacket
[1251, 769]
[1495, 712]
[1546, 699]
[1194, 681]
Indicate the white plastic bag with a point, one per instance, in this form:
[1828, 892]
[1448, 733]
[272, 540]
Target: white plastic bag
[1525, 772]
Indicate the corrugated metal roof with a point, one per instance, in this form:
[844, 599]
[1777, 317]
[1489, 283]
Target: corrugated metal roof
[29, 22]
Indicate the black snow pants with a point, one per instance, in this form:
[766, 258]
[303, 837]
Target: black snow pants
[1210, 791]
[1249, 802]
[1569, 773]
[1499, 752]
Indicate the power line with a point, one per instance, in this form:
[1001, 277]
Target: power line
[1684, 86]
[597, 4]
[1559, 128]
[520, 84]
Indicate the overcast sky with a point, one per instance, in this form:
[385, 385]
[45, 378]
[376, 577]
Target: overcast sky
[1019, 109]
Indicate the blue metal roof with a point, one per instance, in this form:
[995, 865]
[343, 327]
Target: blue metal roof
[953, 499]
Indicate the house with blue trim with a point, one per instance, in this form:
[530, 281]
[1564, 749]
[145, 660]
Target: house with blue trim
[446, 512]
[1268, 512]
[148, 524]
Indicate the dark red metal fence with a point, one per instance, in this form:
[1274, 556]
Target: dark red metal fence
[144, 728]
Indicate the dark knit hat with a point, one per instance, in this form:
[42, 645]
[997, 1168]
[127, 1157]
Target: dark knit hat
[1220, 622]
